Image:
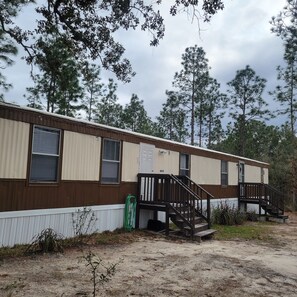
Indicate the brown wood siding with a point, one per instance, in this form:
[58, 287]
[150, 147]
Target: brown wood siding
[219, 191]
[16, 195]
[45, 119]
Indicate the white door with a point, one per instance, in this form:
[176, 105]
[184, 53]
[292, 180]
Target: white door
[146, 165]
[146, 162]
[241, 177]
[241, 172]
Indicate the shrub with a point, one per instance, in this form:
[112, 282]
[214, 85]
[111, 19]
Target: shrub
[224, 214]
[47, 241]
[83, 221]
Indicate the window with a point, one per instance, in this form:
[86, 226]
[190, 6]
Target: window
[184, 168]
[45, 154]
[224, 173]
[110, 172]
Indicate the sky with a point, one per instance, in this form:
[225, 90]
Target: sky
[239, 35]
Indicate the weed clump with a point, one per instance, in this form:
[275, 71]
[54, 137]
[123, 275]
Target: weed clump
[47, 241]
[225, 214]
[83, 223]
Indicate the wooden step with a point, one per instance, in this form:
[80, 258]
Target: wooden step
[198, 227]
[205, 233]
[198, 220]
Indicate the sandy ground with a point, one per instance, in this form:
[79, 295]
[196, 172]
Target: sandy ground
[155, 266]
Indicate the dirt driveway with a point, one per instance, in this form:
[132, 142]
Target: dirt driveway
[154, 266]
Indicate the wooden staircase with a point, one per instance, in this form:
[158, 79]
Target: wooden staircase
[186, 204]
[201, 227]
[269, 199]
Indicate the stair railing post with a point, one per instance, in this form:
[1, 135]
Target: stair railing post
[167, 220]
[208, 211]
[266, 200]
[137, 202]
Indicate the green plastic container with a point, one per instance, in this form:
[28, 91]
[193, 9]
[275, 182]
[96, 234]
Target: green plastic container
[130, 213]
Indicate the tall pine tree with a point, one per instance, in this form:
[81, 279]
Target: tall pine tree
[172, 118]
[109, 111]
[135, 117]
[93, 89]
[191, 82]
[285, 26]
[246, 102]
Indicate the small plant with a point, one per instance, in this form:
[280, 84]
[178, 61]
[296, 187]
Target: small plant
[100, 273]
[47, 241]
[83, 221]
[224, 214]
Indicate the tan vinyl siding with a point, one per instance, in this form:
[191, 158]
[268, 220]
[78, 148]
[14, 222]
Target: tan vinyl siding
[167, 162]
[130, 162]
[14, 140]
[252, 174]
[205, 171]
[81, 157]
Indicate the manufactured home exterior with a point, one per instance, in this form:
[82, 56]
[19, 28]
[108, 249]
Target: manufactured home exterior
[52, 165]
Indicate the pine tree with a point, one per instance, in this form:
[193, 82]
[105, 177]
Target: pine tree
[246, 102]
[191, 83]
[172, 118]
[215, 104]
[285, 26]
[108, 110]
[135, 117]
[93, 89]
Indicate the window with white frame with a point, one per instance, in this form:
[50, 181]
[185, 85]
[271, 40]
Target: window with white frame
[184, 162]
[110, 171]
[224, 173]
[45, 154]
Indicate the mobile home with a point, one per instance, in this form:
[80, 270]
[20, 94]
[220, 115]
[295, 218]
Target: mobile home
[52, 165]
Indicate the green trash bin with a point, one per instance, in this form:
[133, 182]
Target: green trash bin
[130, 212]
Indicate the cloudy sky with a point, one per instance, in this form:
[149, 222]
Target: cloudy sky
[237, 36]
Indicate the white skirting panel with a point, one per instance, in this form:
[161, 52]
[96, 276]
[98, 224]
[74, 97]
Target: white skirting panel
[232, 202]
[19, 227]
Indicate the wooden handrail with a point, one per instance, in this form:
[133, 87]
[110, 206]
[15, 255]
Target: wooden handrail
[183, 198]
[201, 194]
[262, 192]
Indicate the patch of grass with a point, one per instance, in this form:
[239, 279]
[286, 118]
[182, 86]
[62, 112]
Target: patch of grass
[11, 252]
[259, 231]
[119, 236]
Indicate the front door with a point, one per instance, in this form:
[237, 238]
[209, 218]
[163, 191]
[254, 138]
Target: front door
[241, 172]
[146, 162]
[241, 177]
[146, 165]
